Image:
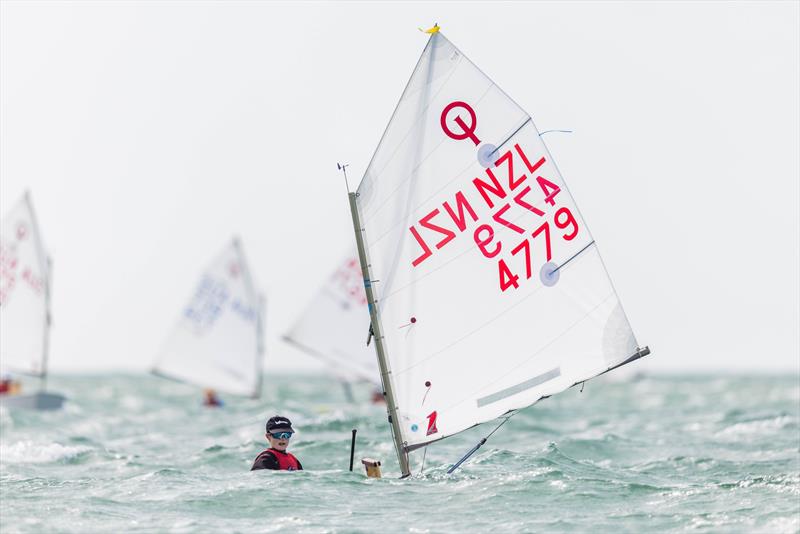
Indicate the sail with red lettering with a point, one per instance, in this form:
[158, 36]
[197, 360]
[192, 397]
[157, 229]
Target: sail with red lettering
[24, 292]
[489, 289]
[335, 324]
[217, 342]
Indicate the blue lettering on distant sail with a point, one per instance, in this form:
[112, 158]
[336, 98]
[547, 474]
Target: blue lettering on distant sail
[210, 296]
[246, 312]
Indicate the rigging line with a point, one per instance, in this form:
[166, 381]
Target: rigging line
[548, 131]
[573, 257]
[512, 135]
[474, 449]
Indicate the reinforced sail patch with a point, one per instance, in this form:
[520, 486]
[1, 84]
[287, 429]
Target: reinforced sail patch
[518, 388]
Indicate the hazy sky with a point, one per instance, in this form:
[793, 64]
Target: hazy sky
[149, 133]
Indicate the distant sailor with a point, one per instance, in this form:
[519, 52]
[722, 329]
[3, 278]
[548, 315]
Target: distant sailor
[279, 432]
[377, 397]
[9, 386]
[211, 399]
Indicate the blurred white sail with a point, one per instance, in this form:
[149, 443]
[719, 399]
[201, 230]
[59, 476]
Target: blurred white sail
[25, 278]
[490, 290]
[218, 341]
[334, 325]
[24, 293]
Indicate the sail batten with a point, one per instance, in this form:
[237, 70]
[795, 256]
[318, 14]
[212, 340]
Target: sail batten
[217, 343]
[492, 291]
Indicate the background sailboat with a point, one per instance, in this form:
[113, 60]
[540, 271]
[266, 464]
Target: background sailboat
[218, 342]
[25, 279]
[467, 232]
[334, 326]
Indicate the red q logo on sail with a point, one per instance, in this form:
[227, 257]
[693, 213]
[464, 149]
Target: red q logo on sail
[233, 269]
[467, 131]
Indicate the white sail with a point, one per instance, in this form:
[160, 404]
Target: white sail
[218, 340]
[24, 292]
[490, 290]
[334, 325]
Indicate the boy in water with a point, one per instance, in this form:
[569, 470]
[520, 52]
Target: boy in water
[279, 432]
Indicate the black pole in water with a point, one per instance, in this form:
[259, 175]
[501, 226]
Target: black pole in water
[352, 448]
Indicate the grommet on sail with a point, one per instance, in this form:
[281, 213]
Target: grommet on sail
[464, 219]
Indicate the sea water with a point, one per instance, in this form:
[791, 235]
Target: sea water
[135, 453]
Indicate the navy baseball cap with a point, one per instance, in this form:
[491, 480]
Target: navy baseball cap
[279, 423]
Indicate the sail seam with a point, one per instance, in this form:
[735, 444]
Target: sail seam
[394, 112]
[476, 330]
[393, 192]
[471, 397]
[545, 346]
[422, 203]
[414, 125]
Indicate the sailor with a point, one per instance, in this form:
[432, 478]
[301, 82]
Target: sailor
[377, 397]
[279, 432]
[9, 386]
[210, 399]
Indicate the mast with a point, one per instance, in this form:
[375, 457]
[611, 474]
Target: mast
[386, 373]
[259, 302]
[262, 306]
[41, 255]
[46, 341]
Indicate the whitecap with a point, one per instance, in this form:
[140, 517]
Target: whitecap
[31, 452]
[758, 427]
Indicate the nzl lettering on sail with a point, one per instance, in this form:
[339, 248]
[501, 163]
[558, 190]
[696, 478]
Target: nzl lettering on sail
[513, 194]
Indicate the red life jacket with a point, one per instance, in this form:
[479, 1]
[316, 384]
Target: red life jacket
[286, 460]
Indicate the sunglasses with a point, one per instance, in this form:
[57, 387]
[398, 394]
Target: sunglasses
[281, 435]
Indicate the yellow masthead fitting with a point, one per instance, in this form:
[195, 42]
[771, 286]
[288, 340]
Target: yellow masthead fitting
[434, 29]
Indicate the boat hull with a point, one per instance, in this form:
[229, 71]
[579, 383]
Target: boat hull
[35, 401]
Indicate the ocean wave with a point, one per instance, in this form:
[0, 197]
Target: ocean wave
[783, 483]
[759, 427]
[38, 453]
[598, 462]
